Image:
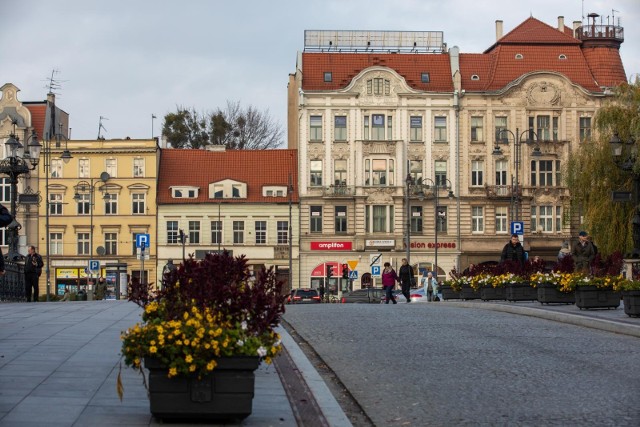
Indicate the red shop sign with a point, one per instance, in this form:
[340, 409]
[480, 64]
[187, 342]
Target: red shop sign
[331, 246]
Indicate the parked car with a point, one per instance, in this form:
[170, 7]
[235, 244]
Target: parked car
[305, 296]
[363, 296]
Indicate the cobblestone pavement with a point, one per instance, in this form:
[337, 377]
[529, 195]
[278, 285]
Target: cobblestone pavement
[457, 364]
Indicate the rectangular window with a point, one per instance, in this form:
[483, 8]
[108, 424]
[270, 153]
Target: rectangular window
[340, 128]
[543, 173]
[111, 205]
[415, 169]
[55, 243]
[315, 220]
[138, 167]
[546, 219]
[56, 168]
[216, 232]
[390, 128]
[111, 243]
[379, 219]
[477, 173]
[441, 172]
[424, 77]
[441, 219]
[83, 243]
[138, 204]
[340, 172]
[379, 172]
[315, 128]
[558, 219]
[315, 171]
[501, 219]
[377, 131]
[543, 128]
[585, 129]
[3, 237]
[476, 129]
[341, 219]
[501, 172]
[172, 232]
[111, 167]
[238, 232]
[55, 204]
[83, 168]
[282, 228]
[328, 76]
[366, 128]
[194, 232]
[477, 219]
[84, 204]
[416, 219]
[5, 190]
[415, 128]
[440, 129]
[555, 128]
[261, 232]
[500, 127]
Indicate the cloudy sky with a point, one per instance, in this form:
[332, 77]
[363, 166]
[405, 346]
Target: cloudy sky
[127, 60]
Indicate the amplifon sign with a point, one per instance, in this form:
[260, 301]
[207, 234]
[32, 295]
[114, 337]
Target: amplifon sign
[331, 246]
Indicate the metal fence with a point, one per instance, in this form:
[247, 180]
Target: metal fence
[12, 283]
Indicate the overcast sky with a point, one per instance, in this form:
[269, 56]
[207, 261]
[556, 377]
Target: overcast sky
[127, 60]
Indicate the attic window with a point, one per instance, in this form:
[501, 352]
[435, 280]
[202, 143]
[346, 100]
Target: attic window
[562, 56]
[519, 56]
[184, 192]
[274, 191]
[425, 78]
[328, 76]
[475, 77]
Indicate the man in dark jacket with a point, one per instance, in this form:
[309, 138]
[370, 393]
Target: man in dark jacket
[513, 251]
[583, 253]
[405, 276]
[32, 270]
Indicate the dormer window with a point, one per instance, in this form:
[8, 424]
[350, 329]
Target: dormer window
[475, 77]
[274, 191]
[519, 56]
[184, 192]
[228, 189]
[425, 77]
[328, 76]
[562, 56]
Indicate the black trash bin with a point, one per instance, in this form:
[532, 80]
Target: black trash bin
[82, 295]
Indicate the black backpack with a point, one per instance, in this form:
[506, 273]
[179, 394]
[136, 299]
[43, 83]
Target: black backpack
[5, 216]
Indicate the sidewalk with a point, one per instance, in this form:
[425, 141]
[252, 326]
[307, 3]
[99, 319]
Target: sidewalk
[59, 363]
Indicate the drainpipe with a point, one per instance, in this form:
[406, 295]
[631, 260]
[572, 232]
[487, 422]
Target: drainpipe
[454, 58]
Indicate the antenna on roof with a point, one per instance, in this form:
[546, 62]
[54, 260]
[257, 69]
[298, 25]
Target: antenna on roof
[100, 127]
[53, 83]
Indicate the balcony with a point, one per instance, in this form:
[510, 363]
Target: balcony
[499, 191]
[600, 32]
[339, 190]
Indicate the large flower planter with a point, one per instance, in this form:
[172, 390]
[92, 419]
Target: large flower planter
[631, 301]
[592, 297]
[548, 293]
[467, 292]
[449, 293]
[488, 293]
[226, 393]
[521, 292]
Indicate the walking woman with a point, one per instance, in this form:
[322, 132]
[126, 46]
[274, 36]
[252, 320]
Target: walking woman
[389, 278]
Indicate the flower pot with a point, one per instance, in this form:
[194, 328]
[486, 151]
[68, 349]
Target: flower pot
[449, 293]
[548, 293]
[467, 292]
[488, 293]
[631, 303]
[226, 393]
[593, 297]
[520, 292]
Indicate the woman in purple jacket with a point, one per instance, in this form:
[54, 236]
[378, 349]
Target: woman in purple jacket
[389, 278]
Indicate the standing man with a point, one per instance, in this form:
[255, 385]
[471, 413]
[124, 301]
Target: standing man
[513, 251]
[406, 278]
[583, 253]
[32, 271]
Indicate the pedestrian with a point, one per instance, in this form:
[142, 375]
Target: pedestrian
[389, 278]
[407, 279]
[101, 289]
[32, 271]
[513, 251]
[564, 250]
[583, 253]
[428, 281]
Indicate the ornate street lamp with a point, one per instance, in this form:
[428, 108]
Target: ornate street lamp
[624, 156]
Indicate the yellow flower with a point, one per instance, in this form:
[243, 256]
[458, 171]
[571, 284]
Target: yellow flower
[152, 342]
[211, 365]
[136, 361]
[268, 360]
[153, 349]
[173, 372]
[186, 342]
[178, 342]
[207, 345]
[188, 359]
[186, 315]
[192, 368]
[160, 329]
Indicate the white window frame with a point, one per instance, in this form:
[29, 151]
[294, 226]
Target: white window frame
[340, 128]
[477, 129]
[282, 232]
[477, 219]
[315, 173]
[260, 230]
[216, 232]
[55, 204]
[377, 170]
[238, 232]
[173, 232]
[502, 220]
[111, 167]
[83, 168]
[477, 173]
[55, 243]
[315, 128]
[379, 218]
[83, 241]
[56, 168]
[195, 229]
[138, 200]
[138, 167]
[415, 129]
[111, 243]
[440, 129]
[111, 204]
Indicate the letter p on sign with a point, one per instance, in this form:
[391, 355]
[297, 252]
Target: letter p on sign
[517, 227]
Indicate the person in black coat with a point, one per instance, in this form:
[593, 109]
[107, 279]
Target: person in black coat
[32, 270]
[405, 277]
[513, 251]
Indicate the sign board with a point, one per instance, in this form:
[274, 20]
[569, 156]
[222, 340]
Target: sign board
[353, 274]
[517, 227]
[375, 259]
[375, 270]
[380, 243]
[146, 256]
[142, 240]
[352, 264]
[94, 265]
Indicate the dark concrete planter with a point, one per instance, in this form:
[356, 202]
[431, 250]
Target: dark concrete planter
[592, 297]
[488, 293]
[521, 292]
[225, 394]
[631, 301]
[449, 293]
[467, 292]
[548, 293]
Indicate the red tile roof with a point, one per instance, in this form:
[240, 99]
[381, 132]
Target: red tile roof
[606, 65]
[345, 66]
[199, 168]
[38, 114]
[534, 31]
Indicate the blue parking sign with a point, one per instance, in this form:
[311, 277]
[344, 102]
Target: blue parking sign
[142, 240]
[375, 270]
[94, 265]
[517, 227]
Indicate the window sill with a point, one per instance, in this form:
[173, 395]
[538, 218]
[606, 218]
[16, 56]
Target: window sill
[316, 142]
[441, 142]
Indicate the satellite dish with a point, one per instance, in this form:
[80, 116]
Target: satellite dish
[100, 249]
[104, 176]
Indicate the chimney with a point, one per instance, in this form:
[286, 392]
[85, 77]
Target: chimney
[576, 25]
[561, 23]
[498, 29]
[51, 97]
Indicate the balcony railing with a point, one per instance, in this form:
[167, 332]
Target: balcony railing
[339, 190]
[589, 32]
[499, 191]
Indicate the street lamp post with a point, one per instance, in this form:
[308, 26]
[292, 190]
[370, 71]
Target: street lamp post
[89, 187]
[409, 182]
[66, 156]
[518, 141]
[18, 163]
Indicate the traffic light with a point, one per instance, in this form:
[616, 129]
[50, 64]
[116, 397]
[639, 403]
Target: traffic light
[329, 270]
[345, 271]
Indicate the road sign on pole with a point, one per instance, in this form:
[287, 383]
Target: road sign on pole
[142, 239]
[94, 265]
[517, 227]
[375, 259]
[375, 270]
